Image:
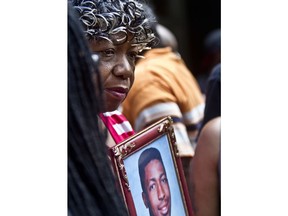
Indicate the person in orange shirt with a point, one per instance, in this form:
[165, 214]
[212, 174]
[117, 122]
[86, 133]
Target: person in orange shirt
[164, 86]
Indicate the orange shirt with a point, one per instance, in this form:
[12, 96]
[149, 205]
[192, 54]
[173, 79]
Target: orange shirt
[163, 78]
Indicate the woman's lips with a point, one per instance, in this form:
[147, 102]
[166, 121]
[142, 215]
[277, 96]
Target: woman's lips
[118, 92]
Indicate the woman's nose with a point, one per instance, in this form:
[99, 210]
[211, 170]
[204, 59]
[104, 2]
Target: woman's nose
[123, 68]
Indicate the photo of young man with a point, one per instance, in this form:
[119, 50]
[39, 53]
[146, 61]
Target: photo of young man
[154, 183]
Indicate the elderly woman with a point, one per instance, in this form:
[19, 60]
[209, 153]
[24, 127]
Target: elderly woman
[111, 33]
[117, 30]
[89, 193]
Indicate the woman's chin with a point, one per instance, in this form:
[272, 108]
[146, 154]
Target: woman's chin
[112, 103]
[111, 107]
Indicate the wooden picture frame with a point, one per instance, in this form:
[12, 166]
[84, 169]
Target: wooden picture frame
[125, 159]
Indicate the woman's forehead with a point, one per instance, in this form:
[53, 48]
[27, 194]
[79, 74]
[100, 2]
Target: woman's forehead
[118, 38]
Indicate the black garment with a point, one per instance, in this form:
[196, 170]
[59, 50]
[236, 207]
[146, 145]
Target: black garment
[213, 96]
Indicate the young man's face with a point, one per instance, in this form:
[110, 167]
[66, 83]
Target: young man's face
[157, 196]
[116, 65]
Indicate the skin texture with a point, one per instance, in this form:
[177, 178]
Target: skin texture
[205, 176]
[116, 64]
[157, 197]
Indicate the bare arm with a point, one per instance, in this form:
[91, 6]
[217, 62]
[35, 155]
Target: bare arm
[204, 175]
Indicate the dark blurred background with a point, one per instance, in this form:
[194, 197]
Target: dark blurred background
[191, 21]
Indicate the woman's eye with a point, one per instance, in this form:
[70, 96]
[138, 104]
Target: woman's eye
[108, 52]
[133, 55]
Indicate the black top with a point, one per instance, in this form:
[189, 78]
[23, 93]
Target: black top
[213, 96]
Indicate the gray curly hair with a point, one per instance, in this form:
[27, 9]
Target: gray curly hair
[104, 18]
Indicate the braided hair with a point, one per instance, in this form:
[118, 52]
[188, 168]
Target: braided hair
[91, 183]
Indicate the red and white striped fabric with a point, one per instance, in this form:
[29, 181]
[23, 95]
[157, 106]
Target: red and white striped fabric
[117, 124]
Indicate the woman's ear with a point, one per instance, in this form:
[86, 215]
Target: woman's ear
[145, 200]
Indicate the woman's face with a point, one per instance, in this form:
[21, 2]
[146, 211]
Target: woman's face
[116, 65]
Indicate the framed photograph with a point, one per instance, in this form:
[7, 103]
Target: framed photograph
[147, 166]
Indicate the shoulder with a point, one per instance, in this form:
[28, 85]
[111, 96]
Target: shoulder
[210, 139]
[215, 73]
[211, 130]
